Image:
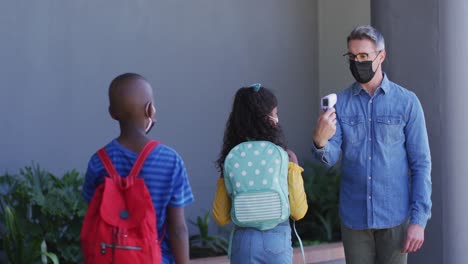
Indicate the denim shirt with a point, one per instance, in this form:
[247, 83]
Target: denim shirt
[385, 157]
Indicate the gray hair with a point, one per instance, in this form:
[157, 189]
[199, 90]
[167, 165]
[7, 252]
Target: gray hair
[368, 32]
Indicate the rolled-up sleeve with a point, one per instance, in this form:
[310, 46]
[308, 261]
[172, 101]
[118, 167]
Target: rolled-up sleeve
[331, 152]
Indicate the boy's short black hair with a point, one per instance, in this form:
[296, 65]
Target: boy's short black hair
[125, 77]
[120, 94]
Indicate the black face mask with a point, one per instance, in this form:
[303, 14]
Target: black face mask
[362, 71]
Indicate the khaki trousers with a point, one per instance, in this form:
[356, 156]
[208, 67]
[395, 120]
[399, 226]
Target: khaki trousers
[374, 246]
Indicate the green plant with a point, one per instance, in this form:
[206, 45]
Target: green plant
[321, 184]
[203, 244]
[21, 248]
[50, 208]
[18, 247]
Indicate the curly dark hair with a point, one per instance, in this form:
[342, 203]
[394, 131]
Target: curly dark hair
[249, 121]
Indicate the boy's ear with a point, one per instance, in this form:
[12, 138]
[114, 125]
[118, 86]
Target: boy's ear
[150, 110]
[112, 114]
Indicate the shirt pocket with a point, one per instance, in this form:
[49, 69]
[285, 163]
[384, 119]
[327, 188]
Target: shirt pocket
[389, 129]
[354, 129]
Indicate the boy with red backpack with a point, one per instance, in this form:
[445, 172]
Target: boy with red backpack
[136, 188]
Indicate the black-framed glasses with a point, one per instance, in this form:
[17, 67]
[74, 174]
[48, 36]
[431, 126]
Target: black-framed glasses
[361, 56]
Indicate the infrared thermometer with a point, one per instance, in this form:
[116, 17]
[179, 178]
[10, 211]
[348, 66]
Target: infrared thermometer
[328, 101]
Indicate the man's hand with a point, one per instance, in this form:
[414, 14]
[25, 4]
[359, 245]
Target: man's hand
[325, 128]
[414, 238]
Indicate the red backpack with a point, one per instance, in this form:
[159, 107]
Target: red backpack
[120, 223]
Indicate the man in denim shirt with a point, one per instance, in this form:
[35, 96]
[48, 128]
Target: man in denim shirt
[378, 128]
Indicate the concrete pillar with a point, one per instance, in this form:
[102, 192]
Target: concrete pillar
[427, 52]
[454, 75]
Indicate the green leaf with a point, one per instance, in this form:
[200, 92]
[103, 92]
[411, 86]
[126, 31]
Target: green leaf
[52, 257]
[45, 254]
[203, 240]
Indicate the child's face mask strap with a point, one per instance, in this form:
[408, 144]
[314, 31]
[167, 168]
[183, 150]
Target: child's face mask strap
[150, 116]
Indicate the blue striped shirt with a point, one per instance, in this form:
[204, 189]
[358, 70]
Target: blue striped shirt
[164, 174]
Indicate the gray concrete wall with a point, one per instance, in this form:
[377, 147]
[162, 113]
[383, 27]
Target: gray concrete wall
[411, 30]
[58, 57]
[336, 20]
[454, 141]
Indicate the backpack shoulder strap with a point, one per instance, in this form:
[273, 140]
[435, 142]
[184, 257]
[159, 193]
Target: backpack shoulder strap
[107, 162]
[141, 159]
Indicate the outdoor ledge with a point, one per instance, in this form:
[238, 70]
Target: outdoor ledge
[313, 254]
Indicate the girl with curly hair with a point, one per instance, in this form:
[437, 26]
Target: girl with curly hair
[254, 117]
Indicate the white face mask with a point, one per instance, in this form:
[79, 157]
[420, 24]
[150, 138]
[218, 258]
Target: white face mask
[274, 119]
[150, 125]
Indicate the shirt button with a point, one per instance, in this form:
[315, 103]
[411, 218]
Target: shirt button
[370, 139]
[370, 157]
[370, 197]
[370, 101]
[370, 177]
[370, 119]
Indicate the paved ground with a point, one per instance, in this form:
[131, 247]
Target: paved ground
[334, 262]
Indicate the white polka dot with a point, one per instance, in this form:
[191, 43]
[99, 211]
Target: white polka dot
[236, 165]
[263, 162]
[277, 161]
[236, 148]
[238, 184]
[230, 156]
[257, 172]
[249, 146]
[276, 179]
[249, 164]
[244, 173]
[251, 183]
[270, 170]
[262, 144]
[231, 174]
[264, 182]
[256, 153]
[270, 151]
[235, 192]
[242, 154]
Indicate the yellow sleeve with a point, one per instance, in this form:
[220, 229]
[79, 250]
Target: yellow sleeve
[297, 196]
[221, 204]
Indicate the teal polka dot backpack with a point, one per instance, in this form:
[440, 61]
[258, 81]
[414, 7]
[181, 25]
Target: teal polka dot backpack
[256, 178]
